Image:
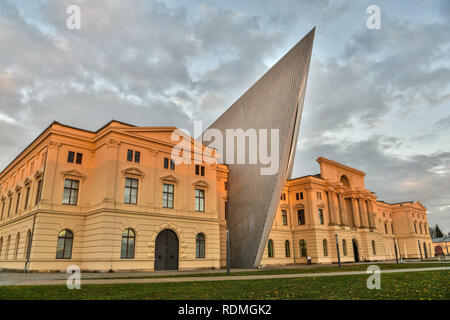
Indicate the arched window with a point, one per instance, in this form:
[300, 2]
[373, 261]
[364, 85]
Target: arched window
[64, 246]
[270, 248]
[26, 252]
[7, 247]
[287, 248]
[344, 247]
[373, 248]
[345, 182]
[1, 247]
[16, 247]
[200, 246]
[128, 240]
[303, 250]
[325, 248]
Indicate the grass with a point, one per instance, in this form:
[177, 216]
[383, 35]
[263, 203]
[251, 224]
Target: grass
[313, 269]
[404, 286]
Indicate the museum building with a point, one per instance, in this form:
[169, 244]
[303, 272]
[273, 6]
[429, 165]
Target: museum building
[114, 199]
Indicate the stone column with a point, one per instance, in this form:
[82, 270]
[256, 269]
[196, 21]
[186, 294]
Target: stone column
[342, 213]
[310, 212]
[331, 214]
[48, 180]
[370, 214]
[355, 213]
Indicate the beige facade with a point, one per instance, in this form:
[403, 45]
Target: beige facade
[316, 208]
[106, 200]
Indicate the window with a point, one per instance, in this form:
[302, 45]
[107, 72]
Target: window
[64, 246]
[71, 157]
[284, 217]
[128, 241]
[199, 200]
[200, 246]
[166, 164]
[168, 196]
[270, 248]
[131, 191]
[9, 206]
[16, 247]
[79, 159]
[200, 170]
[373, 248]
[385, 228]
[325, 248]
[392, 228]
[26, 252]
[287, 248]
[321, 216]
[134, 156]
[301, 195]
[130, 155]
[420, 227]
[38, 192]
[7, 247]
[283, 196]
[27, 196]
[3, 210]
[319, 195]
[303, 249]
[17, 202]
[415, 226]
[344, 247]
[70, 195]
[301, 217]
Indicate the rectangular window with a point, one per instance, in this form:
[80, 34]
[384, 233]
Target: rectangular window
[297, 196]
[301, 217]
[131, 191]
[130, 155]
[202, 171]
[79, 159]
[319, 195]
[70, 195]
[71, 157]
[168, 196]
[301, 195]
[27, 196]
[199, 200]
[166, 163]
[321, 216]
[172, 164]
[17, 202]
[38, 192]
[3, 210]
[137, 156]
[392, 228]
[197, 169]
[385, 228]
[284, 217]
[10, 205]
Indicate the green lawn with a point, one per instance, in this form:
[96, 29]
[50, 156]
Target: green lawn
[313, 269]
[409, 285]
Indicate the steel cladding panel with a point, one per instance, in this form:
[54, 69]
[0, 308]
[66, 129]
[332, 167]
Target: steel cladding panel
[275, 101]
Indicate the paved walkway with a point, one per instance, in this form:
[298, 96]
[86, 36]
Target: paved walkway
[16, 282]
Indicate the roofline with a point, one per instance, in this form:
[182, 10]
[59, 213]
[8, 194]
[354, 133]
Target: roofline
[343, 166]
[49, 127]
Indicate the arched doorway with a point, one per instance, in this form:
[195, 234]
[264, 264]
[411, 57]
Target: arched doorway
[166, 250]
[438, 251]
[355, 250]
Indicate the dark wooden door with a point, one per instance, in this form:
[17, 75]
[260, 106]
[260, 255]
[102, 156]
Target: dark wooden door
[355, 250]
[166, 251]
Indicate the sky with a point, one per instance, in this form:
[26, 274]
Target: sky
[377, 99]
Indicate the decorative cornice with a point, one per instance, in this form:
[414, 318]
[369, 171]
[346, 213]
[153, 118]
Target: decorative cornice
[169, 178]
[38, 174]
[201, 184]
[27, 181]
[73, 173]
[134, 172]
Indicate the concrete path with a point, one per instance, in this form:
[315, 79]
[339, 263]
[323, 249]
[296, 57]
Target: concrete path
[85, 281]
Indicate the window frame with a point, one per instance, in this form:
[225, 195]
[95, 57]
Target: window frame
[270, 249]
[287, 249]
[301, 213]
[127, 236]
[325, 247]
[71, 190]
[65, 244]
[303, 248]
[284, 218]
[199, 200]
[131, 188]
[200, 246]
[165, 203]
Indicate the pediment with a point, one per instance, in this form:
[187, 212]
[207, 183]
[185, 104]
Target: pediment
[299, 206]
[73, 173]
[201, 184]
[134, 172]
[284, 206]
[169, 178]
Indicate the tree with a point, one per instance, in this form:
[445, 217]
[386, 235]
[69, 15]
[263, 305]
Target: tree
[438, 232]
